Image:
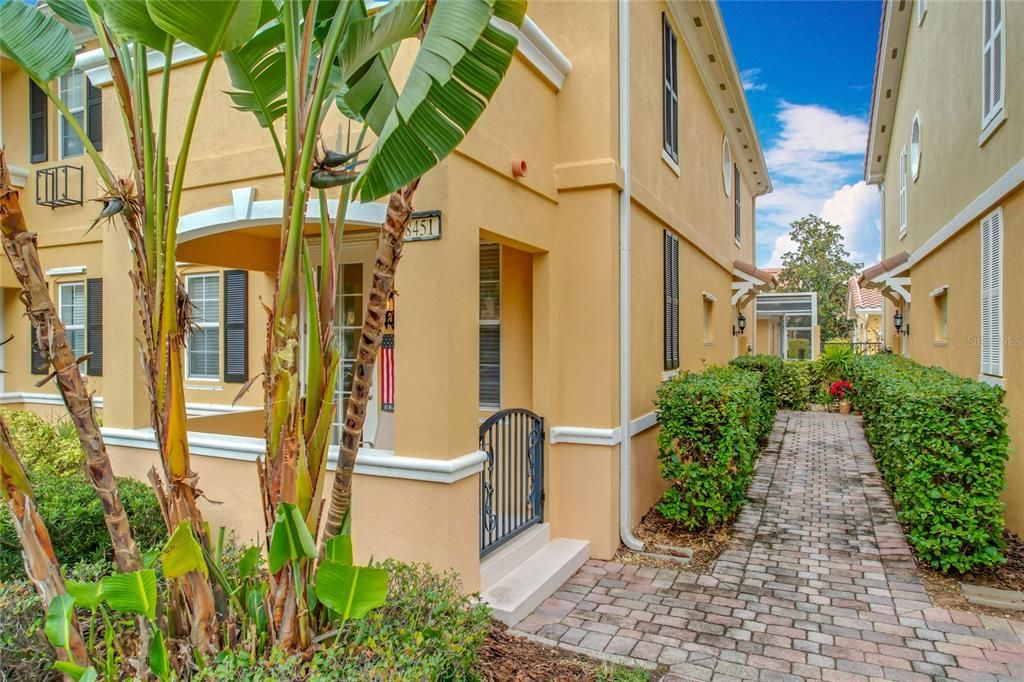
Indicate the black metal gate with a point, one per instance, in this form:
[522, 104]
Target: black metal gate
[512, 482]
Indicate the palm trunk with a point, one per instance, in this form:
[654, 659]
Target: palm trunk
[36, 550]
[389, 251]
[22, 252]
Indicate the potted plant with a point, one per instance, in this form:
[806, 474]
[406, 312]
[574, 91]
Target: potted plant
[841, 392]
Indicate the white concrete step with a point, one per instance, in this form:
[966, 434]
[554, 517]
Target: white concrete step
[500, 562]
[524, 588]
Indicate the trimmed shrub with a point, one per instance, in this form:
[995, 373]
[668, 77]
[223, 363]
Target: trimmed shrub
[941, 443]
[770, 368]
[710, 424]
[45, 446]
[427, 630]
[836, 362]
[74, 517]
[795, 386]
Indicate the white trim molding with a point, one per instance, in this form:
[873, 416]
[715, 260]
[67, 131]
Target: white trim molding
[994, 193]
[243, 212]
[15, 397]
[211, 409]
[585, 435]
[69, 270]
[369, 461]
[94, 63]
[537, 49]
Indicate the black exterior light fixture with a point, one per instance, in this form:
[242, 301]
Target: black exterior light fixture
[741, 324]
[897, 322]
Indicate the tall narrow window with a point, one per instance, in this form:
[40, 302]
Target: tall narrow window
[203, 349]
[71, 299]
[941, 298]
[670, 79]
[349, 327]
[992, 294]
[738, 227]
[709, 318]
[671, 321]
[993, 59]
[37, 106]
[903, 191]
[490, 326]
[72, 92]
[726, 166]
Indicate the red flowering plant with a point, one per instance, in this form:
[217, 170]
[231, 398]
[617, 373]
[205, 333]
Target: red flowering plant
[840, 390]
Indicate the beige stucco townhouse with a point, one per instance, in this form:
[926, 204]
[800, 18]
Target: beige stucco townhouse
[589, 239]
[946, 148]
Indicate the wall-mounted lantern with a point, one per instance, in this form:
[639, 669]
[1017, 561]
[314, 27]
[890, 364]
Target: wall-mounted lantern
[741, 324]
[898, 324]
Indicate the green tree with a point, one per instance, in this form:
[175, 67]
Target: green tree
[821, 264]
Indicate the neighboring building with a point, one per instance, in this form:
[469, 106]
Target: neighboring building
[787, 325]
[946, 147]
[864, 311]
[513, 300]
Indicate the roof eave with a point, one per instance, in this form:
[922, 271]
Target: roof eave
[888, 69]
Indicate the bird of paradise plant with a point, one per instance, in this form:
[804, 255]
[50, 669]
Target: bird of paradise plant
[290, 60]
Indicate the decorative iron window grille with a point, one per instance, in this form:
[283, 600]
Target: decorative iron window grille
[59, 186]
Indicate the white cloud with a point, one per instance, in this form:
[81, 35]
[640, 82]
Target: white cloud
[749, 79]
[816, 163]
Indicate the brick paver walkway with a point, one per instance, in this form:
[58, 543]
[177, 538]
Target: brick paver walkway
[817, 582]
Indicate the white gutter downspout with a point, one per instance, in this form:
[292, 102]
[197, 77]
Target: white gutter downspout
[625, 331]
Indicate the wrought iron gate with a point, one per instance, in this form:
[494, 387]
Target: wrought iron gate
[512, 482]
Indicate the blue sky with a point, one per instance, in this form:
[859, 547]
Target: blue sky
[807, 69]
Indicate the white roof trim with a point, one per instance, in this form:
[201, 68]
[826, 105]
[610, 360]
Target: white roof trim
[369, 461]
[539, 50]
[94, 62]
[888, 69]
[244, 212]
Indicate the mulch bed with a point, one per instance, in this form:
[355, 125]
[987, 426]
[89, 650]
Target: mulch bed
[944, 589]
[656, 530]
[505, 657]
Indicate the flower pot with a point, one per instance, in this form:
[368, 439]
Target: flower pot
[844, 407]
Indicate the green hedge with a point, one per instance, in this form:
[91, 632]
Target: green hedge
[771, 369]
[795, 387]
[45, 446]
[710, 424]
[941, 443]
[74, 517]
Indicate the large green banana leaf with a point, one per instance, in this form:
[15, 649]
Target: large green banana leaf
[72, 11]
[58, 620]
[257, 71]
[130, 19]
[461, 62]
[37, 42]
[351, 591]
[132, 592]
[207, 25]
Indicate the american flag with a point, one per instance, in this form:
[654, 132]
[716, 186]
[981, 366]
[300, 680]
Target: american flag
[387, 373]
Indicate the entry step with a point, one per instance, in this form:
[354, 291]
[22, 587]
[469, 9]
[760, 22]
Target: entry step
[523, 588]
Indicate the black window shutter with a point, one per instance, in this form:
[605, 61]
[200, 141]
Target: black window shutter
[94, 326]
[94, 114]
[38, 362]
[37, 106]
[236, 326]
[671, 320]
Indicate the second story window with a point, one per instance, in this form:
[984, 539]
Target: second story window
[737, 219]
[71, 299]
[903, 170]
[670, 78]
[993, 59]
[85, 102]
[203, 351]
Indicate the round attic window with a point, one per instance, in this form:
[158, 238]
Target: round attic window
[915, 148]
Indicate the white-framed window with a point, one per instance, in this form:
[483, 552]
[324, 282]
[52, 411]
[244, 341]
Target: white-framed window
[348, 328]
[71, 300]
[490, 326]
[670, 89]
[903, 191]
[202, 352]
[992, 294]
[72, 92]
[708, 305]
[915, 147]
[993, 59]
[922, 10]
[726, 166]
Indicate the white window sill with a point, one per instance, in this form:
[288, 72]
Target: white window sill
[670, 374]
[709, 342]
[992, 381]
[990, 129]
[670, 162]
[941, 342]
